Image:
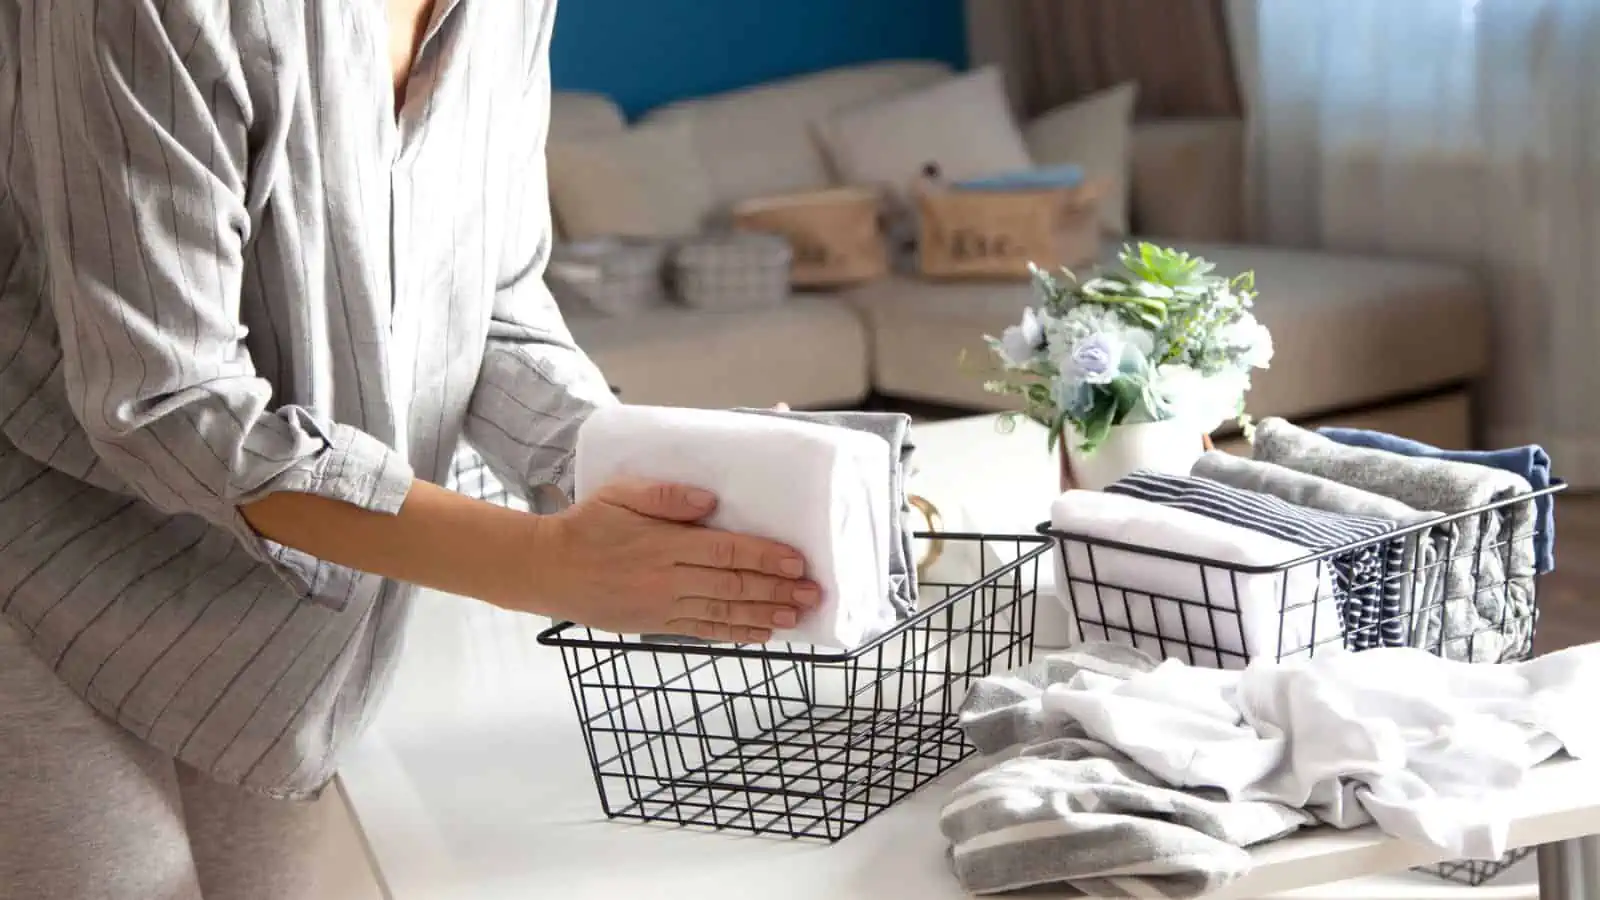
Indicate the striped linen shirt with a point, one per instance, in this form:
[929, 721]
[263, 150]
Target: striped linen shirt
[1367, 580]
[227, 269]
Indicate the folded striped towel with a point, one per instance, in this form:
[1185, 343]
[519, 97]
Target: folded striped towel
[1367, 581]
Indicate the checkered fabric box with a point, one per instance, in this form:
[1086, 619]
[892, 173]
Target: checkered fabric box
[612, 276]
[733, 271]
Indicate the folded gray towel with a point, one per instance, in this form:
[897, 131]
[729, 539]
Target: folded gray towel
[1421, 551]
[1074, 811]
[1487, 614]
[896, 429]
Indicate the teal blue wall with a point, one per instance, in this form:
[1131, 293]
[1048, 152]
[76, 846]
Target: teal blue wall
[644, 53]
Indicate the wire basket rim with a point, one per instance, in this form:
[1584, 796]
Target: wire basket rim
[1060, 536]
[560, 634]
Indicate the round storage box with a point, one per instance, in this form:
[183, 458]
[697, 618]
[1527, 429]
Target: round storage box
[612, 276]
[733, 271]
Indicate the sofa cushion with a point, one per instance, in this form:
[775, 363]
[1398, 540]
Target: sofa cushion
[1094, 132]
[810, 352]
[575, 115]
[1349, 330]
[962, 125]
[642, 182]
[1188, 179]
[759, 141]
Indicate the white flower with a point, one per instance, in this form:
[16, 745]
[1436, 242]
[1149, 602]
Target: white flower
[1204, 400]
[1260, 356]
[1249, 341]
[1020, 343]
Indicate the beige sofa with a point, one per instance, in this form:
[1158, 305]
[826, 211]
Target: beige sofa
[1382, 342]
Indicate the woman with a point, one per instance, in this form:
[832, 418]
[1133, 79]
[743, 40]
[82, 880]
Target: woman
[265, 264]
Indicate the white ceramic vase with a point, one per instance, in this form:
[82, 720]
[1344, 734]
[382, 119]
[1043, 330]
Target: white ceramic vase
[1170, 447]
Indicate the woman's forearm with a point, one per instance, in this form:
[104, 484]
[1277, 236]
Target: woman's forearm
[440, 539]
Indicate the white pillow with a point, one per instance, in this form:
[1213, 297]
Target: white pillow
[962, 124]
[644, 182]
[1095, 133]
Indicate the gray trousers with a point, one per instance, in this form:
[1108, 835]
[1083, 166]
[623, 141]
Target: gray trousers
[87, 811]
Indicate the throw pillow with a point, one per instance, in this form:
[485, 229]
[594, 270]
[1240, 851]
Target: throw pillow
[961, 124]
[644, 182]
[1096, 133]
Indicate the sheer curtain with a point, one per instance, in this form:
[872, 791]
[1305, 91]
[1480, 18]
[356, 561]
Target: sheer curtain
[1465, 130]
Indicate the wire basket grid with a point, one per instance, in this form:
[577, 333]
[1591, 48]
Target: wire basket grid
[789, 740]
[1462, 586]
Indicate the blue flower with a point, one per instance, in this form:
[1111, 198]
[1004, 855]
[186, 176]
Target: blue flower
[1097, 359]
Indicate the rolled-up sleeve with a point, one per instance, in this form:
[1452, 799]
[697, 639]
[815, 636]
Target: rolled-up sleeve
[141, 122]
[536, 386]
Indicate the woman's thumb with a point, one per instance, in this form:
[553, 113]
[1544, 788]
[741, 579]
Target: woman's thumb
[659, 500]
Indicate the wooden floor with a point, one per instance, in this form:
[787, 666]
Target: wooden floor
[1569, 597]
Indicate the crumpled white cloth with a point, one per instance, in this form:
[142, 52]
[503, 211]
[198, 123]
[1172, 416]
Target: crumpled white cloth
[1427, 748]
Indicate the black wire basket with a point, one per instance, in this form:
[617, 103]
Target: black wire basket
[787, 740]
[1461, 586]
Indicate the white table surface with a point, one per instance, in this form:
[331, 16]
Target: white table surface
[473, 782]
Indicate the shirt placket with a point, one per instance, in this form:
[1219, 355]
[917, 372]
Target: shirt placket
[407, 245]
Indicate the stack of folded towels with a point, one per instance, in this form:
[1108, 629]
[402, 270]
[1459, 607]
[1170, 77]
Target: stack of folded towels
[830, 485]
[1296, 551]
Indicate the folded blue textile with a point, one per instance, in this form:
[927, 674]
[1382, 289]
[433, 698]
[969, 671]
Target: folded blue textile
[1531, 462]
[1043, 178]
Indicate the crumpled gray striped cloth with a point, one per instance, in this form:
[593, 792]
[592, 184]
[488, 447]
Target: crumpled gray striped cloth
[1072, 812]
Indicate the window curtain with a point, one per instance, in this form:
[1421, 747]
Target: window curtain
[1459, 130]
[1055, 51]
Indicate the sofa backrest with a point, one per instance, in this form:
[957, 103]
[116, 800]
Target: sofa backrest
[578, 115]
[761, 140]
[1186, 175]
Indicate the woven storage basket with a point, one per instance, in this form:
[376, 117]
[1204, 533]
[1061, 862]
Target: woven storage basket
[836, 234]
[612, 276]
[732, 271]
[997, 233]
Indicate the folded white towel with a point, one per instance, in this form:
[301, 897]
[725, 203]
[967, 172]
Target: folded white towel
[1205, 615]
[817, 489]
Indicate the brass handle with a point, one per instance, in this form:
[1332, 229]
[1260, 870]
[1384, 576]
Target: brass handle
[935, 522]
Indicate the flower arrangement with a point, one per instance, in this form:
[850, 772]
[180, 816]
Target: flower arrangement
[1164, 339]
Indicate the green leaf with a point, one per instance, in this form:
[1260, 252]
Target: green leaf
[1057, 429]
[1128, 394]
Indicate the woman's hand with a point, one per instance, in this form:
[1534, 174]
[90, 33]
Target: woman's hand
[632, 560]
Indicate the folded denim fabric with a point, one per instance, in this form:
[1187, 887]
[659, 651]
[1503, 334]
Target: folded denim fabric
[1422, 579]
[1366, 580]
[1531, 462]
[1487, 614]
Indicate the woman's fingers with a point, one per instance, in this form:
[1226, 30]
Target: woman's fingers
[659, 500]
[737, 612]
[712, 549]
[720, 631]
[748, 587]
